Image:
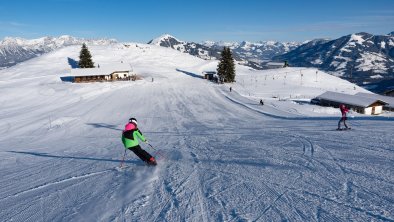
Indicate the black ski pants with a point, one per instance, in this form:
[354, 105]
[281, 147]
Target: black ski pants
[344, 122]
[141, 153]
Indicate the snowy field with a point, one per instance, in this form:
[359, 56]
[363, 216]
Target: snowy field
[222, 157]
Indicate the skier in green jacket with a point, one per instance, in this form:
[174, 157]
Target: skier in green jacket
[130, 137]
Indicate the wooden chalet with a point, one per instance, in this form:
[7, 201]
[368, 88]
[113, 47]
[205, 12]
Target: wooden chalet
[113, 72]
[388, 99]
[360, 104]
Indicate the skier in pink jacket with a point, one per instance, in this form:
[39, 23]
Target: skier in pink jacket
[344, 110]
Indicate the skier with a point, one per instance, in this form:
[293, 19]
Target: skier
[130, 137]
[230, 89]
[261, 102]
[344, 110]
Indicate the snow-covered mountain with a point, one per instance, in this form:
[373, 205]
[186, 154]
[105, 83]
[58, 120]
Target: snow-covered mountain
[263, 50]
[196, 49]
[15, 50]
[251, 54]
[361, 57]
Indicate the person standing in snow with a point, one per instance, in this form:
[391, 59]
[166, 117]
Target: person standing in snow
[344, 110]
[130, 137]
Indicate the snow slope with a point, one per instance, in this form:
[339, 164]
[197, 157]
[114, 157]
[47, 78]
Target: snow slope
[222, 157]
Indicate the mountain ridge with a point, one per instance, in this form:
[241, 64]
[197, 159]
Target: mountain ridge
[14, 50]
[362, 58]
[248, 53]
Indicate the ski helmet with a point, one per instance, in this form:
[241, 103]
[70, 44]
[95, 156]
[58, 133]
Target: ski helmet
[133, 120]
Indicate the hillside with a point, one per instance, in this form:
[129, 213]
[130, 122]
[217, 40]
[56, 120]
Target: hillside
[222, 157]
[362, 58]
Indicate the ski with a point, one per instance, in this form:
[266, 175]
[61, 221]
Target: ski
[344, 129]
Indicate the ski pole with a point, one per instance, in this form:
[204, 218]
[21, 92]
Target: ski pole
[124, 155]
[157, 151]
[151, 146]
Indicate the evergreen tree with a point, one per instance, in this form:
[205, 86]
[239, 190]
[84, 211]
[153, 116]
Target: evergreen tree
[85, 58]
[230, 74]
[226, 66]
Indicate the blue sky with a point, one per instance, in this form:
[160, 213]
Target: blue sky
[199, 20]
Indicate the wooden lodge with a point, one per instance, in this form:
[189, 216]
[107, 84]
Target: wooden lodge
[388, 99]
[114, 72]
[360, 104]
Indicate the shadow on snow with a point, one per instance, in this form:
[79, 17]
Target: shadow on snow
[104, 125]
[190, 74]
[46, 155]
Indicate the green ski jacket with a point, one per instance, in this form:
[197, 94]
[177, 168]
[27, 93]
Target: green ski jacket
[130, 138]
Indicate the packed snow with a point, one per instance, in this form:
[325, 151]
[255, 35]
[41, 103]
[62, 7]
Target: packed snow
[221, 155]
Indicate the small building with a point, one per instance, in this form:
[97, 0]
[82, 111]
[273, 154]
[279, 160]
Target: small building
[113, 72]
[389, 93]
[387, 99]
[211, 76]
[273, 65]
[360, 104]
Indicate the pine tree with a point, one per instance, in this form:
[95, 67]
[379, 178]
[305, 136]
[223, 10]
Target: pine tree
[226, 66]
[85, 58]
[230, 74]
[221, 67]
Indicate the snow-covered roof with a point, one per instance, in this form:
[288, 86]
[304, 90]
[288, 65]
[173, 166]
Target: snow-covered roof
[348, 99]
[275, 63]
[103, 70]
[387, 99]
[209, 72]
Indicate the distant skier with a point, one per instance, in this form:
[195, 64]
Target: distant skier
[230, 89]
[130, 137]
[344, 110]
[261, 102]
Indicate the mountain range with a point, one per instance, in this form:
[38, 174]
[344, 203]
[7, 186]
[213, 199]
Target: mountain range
[16, 50]
[255, 55]
[362, 58]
